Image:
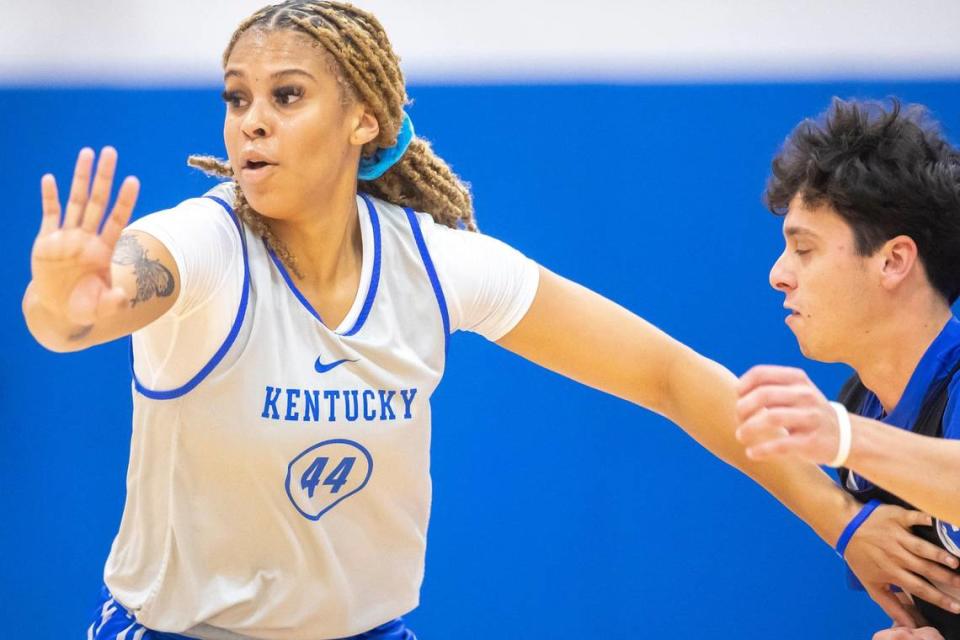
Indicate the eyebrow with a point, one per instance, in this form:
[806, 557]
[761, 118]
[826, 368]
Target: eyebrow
[284, 72]
[792, 232]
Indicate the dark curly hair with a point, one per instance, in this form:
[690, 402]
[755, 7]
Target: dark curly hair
[887, 170]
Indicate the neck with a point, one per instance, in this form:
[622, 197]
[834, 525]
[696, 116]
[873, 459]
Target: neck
[896, 346]
[324, 236]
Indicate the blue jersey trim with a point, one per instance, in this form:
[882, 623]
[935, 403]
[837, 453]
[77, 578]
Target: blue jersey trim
[111, 620]
[432, 274]
[228, 341]
[374, 275]
[290, 284]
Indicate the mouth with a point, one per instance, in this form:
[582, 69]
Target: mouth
[254, 170]
[794, 316]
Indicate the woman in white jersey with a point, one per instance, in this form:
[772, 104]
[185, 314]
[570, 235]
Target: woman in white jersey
[289, 328]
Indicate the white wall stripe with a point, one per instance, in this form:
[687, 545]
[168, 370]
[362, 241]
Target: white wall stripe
[180, 41]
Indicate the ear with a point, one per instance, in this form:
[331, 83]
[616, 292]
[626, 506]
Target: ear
[365, 127]
[899, 260]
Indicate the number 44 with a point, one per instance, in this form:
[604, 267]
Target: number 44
[336, 479]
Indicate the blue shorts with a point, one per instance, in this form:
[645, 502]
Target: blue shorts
[111, 621]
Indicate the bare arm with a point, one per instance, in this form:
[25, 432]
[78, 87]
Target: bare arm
[89, 285]
[581, 335]
[923, 471]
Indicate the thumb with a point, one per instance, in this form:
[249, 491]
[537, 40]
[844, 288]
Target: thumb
[899, 613]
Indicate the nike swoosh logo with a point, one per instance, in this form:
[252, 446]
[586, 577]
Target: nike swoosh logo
[323, 368]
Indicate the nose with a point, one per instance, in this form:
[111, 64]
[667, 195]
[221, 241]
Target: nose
[255, 123]
[781, 276]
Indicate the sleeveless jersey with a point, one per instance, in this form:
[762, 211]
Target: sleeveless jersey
[929, 422]
[284, 491]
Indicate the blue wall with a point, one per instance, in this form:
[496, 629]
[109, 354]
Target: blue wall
[559, 512]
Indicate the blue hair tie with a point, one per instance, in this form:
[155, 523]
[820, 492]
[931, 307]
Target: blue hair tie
[376, 165]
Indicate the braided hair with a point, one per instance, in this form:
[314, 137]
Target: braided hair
[367, 70]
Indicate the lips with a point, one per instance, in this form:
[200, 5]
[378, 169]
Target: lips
[255, 166]
[253, 159]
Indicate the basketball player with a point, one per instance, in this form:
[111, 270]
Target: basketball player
[288, 331]
[871, 203]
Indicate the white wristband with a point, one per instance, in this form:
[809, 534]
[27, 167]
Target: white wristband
[846, 435]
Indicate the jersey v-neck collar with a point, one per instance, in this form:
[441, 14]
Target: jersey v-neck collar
[937, 360]
[369, 272]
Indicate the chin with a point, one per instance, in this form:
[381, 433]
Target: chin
[806, 348]
[263, 202]
[818, 352]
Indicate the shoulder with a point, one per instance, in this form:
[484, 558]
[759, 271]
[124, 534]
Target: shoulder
[204, 218]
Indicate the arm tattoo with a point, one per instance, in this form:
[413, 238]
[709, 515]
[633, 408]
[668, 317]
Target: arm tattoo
[80, 333]
[153, 279]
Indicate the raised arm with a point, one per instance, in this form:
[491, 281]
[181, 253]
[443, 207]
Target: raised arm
[579, 334]
[91, 281]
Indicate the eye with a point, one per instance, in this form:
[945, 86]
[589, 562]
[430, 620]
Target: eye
[233, 99]
[288, 94]
[801, 252]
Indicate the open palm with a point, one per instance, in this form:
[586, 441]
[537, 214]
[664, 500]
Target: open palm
[70, 262]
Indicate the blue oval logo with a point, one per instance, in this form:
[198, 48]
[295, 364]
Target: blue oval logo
[326, 474]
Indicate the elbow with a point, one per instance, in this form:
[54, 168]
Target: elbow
[50, 339]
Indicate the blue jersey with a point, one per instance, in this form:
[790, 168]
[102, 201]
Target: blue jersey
[928, 406]
[938, 360]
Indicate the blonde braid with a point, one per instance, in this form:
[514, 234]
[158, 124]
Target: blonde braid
[369, 71]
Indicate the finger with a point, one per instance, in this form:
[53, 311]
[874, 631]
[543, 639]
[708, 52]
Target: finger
[79, 188]
[920, 588]
[770, 374]
[50, 201]
[122, 209]
[912, 518]
[793, 445]
[100, 193]
[892, 607]
[918, 547]
[769, 395]
[774, 423]
[928, 569]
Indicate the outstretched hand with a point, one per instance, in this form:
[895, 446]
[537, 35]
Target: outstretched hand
[70, 262]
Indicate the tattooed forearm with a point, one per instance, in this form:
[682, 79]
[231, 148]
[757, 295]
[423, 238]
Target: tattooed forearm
[153, 279]
[80, 333]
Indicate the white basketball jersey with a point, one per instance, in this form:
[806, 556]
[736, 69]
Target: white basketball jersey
[284, 492]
